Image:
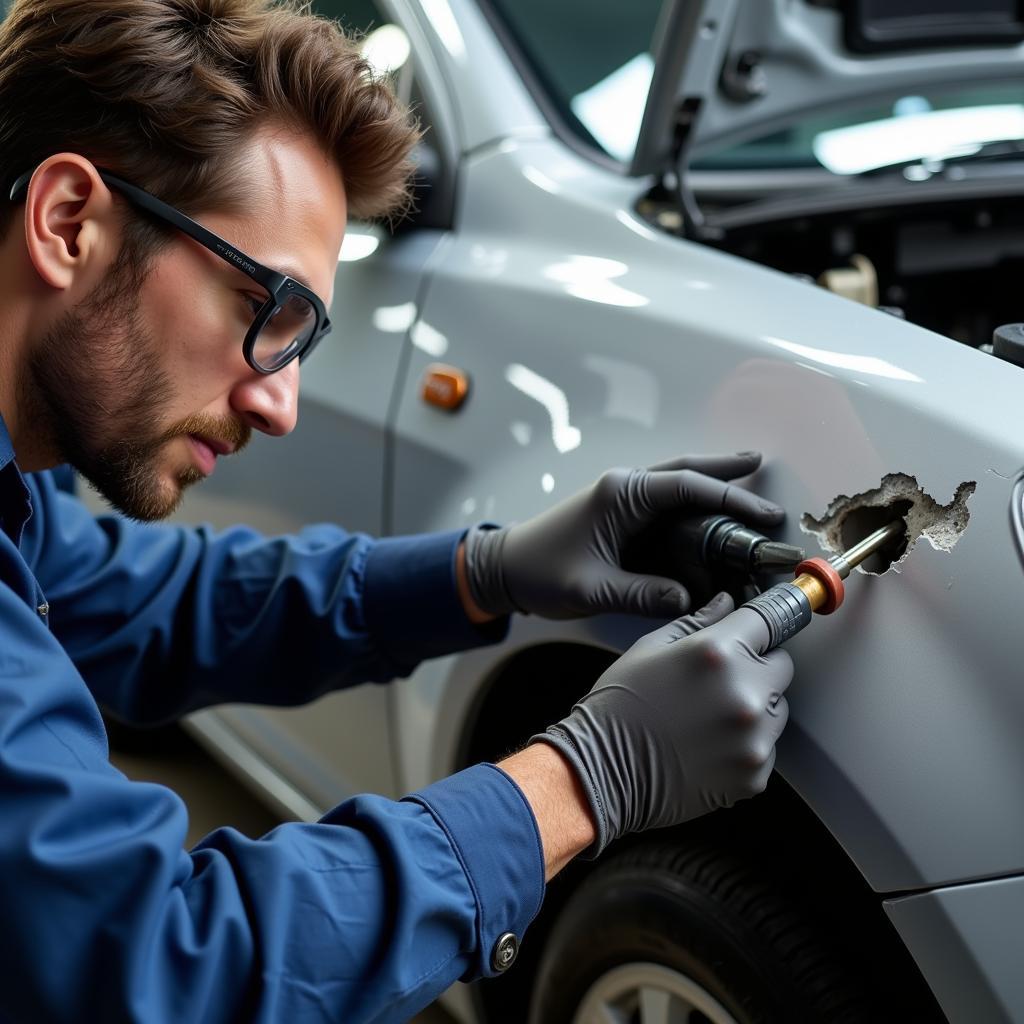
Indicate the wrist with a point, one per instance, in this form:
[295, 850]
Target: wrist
[555, 794]
[484, 569]
[473, 611]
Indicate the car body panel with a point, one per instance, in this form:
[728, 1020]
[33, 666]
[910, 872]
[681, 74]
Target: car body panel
[966, 940]
[639, 346]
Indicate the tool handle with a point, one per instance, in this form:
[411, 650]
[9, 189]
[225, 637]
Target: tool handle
[694, 539]
[785, 610]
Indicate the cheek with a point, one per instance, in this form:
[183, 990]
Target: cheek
[196, 323]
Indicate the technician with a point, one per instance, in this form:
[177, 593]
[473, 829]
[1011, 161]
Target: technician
[180, 173]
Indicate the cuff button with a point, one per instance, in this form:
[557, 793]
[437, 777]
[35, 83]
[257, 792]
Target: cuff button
[506, 949]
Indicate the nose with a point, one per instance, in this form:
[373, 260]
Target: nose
[269, 403]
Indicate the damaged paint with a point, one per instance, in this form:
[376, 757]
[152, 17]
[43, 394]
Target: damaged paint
[847, 520]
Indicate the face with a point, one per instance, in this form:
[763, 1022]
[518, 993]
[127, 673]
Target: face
[143, 385]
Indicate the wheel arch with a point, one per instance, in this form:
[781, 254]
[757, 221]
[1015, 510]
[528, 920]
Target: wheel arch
[537, 685]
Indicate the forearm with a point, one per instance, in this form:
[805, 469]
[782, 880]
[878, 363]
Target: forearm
[556, 797]
[162, 620]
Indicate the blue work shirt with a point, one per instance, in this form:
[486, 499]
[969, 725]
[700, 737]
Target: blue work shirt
[366, 915]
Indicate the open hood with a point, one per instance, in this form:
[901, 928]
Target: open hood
[728, 70]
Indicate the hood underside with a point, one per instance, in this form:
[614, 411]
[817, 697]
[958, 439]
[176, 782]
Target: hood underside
[728, 70]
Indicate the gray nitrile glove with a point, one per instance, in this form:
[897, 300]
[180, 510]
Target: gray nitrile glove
[683, 723]
[567, 562]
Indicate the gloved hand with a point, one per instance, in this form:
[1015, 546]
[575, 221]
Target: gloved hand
[567, 562]
[683, 723]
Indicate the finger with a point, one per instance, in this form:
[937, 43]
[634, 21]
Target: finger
[746, 627]
[759, 782]
[720, 606]
[684, 626]
[779, 674]
[661, 597]
[677, 490]
[714, 611]
[780, 713]
[723, 467]
[639, 594]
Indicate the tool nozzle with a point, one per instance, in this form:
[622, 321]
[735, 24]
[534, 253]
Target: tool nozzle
[773, 556]
[718, 541]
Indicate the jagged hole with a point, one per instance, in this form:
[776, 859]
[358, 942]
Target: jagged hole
[859, 522]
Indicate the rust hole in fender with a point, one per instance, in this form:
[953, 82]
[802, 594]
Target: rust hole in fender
[898, 496]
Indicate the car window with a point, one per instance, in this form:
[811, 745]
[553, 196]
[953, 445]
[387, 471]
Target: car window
[384, 44]
[357, 16]
[590, 59]
[931, 126]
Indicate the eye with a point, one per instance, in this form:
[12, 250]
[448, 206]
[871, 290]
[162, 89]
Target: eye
[254, 303]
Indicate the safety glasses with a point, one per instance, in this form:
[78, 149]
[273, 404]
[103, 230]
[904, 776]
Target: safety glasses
[289, 323]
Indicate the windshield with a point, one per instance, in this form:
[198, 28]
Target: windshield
[592, 61]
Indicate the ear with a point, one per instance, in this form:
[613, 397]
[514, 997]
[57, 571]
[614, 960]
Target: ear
[71, 231]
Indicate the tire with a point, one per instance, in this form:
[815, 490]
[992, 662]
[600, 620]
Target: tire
[669, 934]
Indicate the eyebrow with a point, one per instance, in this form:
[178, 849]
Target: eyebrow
[297, 276]
[287, 271]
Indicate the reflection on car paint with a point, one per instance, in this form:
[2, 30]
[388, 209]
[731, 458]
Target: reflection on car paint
[565, 436]
[591, 278]
[871, 365]
[357, 245]
[395, 319]
[429, 339]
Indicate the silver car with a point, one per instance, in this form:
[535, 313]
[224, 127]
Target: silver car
[646, 230]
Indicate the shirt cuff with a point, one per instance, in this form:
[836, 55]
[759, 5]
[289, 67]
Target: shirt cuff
[411, 599]
[492, 829]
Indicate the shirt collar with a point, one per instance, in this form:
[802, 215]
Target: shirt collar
[6, 447]
[15, 499]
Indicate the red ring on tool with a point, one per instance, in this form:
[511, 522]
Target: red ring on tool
[826, 574]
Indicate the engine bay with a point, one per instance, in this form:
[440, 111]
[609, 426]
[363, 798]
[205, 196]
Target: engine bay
[952, 265]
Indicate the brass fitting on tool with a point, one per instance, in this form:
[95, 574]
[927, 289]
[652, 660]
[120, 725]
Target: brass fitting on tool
[788, 607]
[821, 584]
[822, 581]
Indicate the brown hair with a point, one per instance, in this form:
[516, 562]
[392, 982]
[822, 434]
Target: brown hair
[164, 92]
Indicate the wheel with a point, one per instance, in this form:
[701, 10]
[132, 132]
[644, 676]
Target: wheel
[669, 934]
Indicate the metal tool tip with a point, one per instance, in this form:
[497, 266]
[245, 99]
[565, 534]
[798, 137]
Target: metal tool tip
[868, 546]
[773, 556]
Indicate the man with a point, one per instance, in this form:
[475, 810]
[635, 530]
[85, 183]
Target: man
[180, 173]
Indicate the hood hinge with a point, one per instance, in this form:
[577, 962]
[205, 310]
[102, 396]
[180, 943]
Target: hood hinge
[675, 180]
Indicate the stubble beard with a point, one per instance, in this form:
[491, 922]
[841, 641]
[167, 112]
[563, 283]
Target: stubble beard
[96, 385]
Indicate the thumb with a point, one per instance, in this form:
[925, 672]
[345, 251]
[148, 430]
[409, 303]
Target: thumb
[714, 611]
[657, 597]
[747, 628]
[661, 598]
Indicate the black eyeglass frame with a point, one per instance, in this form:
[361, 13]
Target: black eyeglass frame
[279, 287]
